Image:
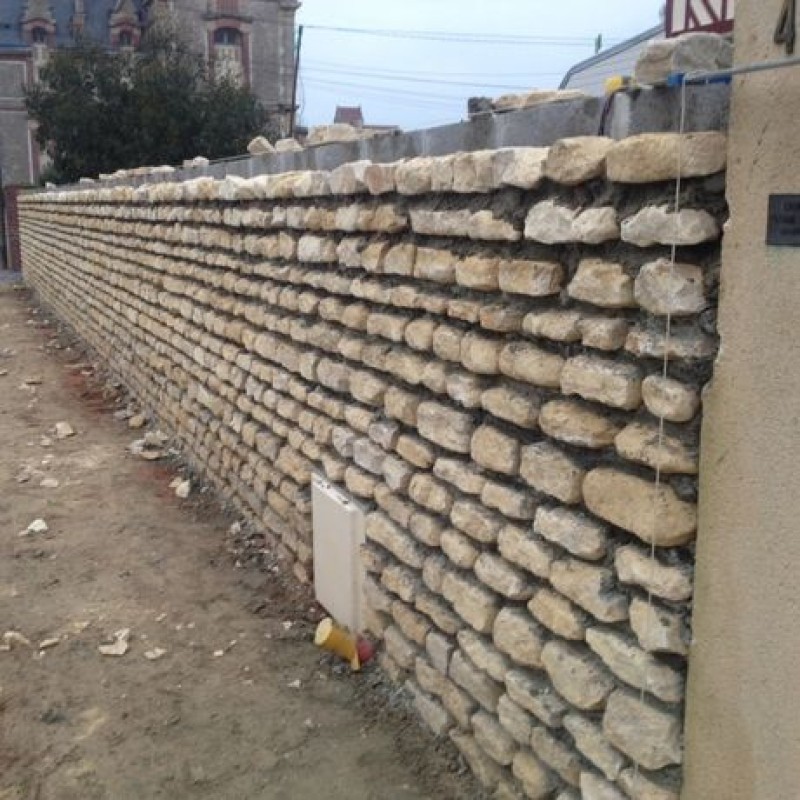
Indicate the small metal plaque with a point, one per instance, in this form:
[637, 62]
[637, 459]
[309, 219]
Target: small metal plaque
[783, 228]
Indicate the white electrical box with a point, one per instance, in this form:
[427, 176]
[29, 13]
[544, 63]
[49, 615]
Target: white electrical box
[338, 535]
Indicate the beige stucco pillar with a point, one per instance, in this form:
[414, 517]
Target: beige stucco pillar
[743, 714]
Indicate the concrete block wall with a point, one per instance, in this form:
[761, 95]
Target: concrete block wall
[473, 346]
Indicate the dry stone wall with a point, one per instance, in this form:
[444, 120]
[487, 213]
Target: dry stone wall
[472, 345]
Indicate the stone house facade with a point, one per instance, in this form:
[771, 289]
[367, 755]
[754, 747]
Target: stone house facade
[250, 39]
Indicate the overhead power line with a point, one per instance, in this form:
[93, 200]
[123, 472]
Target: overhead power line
[427, 72]
[372, 75]
[462, 38]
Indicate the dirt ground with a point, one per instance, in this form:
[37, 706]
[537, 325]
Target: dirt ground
[241, 705]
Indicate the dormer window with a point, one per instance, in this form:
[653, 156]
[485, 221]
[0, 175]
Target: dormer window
[39, 35]
[125, 39]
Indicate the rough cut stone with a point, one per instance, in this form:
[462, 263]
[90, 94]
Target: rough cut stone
[528, 363]
[646, 733]
[476, 272]
[533, 691]
[684, 343]
[475, 682]
[563, 326]
[531, 278]
[483, 654]
[637, 567]
[550, 223]
[382, 530]
[495, 450]
[516, 404]
[591, 587]
[654, 514]
[535, 779]
[641, 786]
[652, 157]
[596, 226]
[663, 288]
[476, 604]
[446, 427]
[510, 500]
[593, 787]
[658, 225]
[522, 167]
[549, 470]
[537, 97]
[693, 52]
[577, 160]
[591, 741]
[658, 629]
[500, 576]
[556, 755]
[604, 333]
[435, 265]
[462, 474]
[670, 399]
[459, 548]
[402, 651]
[518, 722]
[439, 649]
[487, 771]
[635, 666]
[557, 614]
[260, 146]
[518, 635]
[604, 381]
[602, 283]
[494, 740]
[477, 521]
[572, 530]
[642, 443]
[576, 424]
[431, 711]
[481, 354]
[522, 547]
[577, 674]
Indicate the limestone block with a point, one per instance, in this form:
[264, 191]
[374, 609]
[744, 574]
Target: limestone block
[517, 634]
[474, 603]
[402, 651]
[635, 666]
[442, 173]
[474, 172]
[413, 625]
[641, 786]
[414, 176]
[399, 259]
[483, 654]
[426, 528]
[416, 451]
[514, 403]
[604, 333]
[439, 649]
[524, 361]
[465, 388]
[646, 733]
[433, 714]
[440, 223]
[557, 614]
[604, 381]
[670, 399]
[577, 424]
[556, 755]
[686, 343]
[384, 433]
[593, 787]
[596, 226]
[531, 690]
[462, 706]
[474, 681]
[577, 160]
[522, 547]
[402, 581]
[549, 470]
[637, 567]
[576, 532]
[591, 587]
[522, 167]
[484, 225]
[419, 334]
[380, 178]
[481, 354]
[663, 288]
[535, 779]
[435, 265]
[493, 738]
[369, 456]
[693, 52]
[516, 721]
[373, 255]
[367, 387]
[537, 97]
[477, 272]
[287, 145]
[502, 317]
[464, 475]
[658, 225]
[531, 278]
[486, 770]
[577, 674]
[550, 223]
[317, 249]
[658, 629]
[496, 450]
[502, 577]
[327, 134]
[431, 494]
[445, 426]
[554, 324]
[602, 283]
[642, 443]
[398, 509]
[654, 514]
[380, 529]
[459, 548]
[510, 500]
[429, 678]
[592, 743]
[376, 596]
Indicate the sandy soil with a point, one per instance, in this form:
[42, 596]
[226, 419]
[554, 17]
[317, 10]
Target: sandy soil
[240, 705]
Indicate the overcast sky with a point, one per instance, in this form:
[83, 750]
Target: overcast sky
[418, 83]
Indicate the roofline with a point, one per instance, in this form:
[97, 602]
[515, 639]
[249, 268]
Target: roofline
[612, 51]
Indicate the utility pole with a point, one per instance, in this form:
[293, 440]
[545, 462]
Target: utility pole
[293, 120]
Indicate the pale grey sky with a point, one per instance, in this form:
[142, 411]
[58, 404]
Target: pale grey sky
[418, 82]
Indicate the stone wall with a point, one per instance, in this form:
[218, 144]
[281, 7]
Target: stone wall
[472, 345]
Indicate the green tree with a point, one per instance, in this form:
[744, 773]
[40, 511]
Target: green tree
[99, 111]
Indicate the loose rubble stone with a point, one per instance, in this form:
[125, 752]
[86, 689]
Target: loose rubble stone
[577, 675]
[63, 430]
[537, 97]
[646, 733]
[693, 52]
[653, 513]
[260, 146]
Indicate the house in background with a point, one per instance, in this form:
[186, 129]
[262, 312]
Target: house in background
[353, 115]
[251, 40]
